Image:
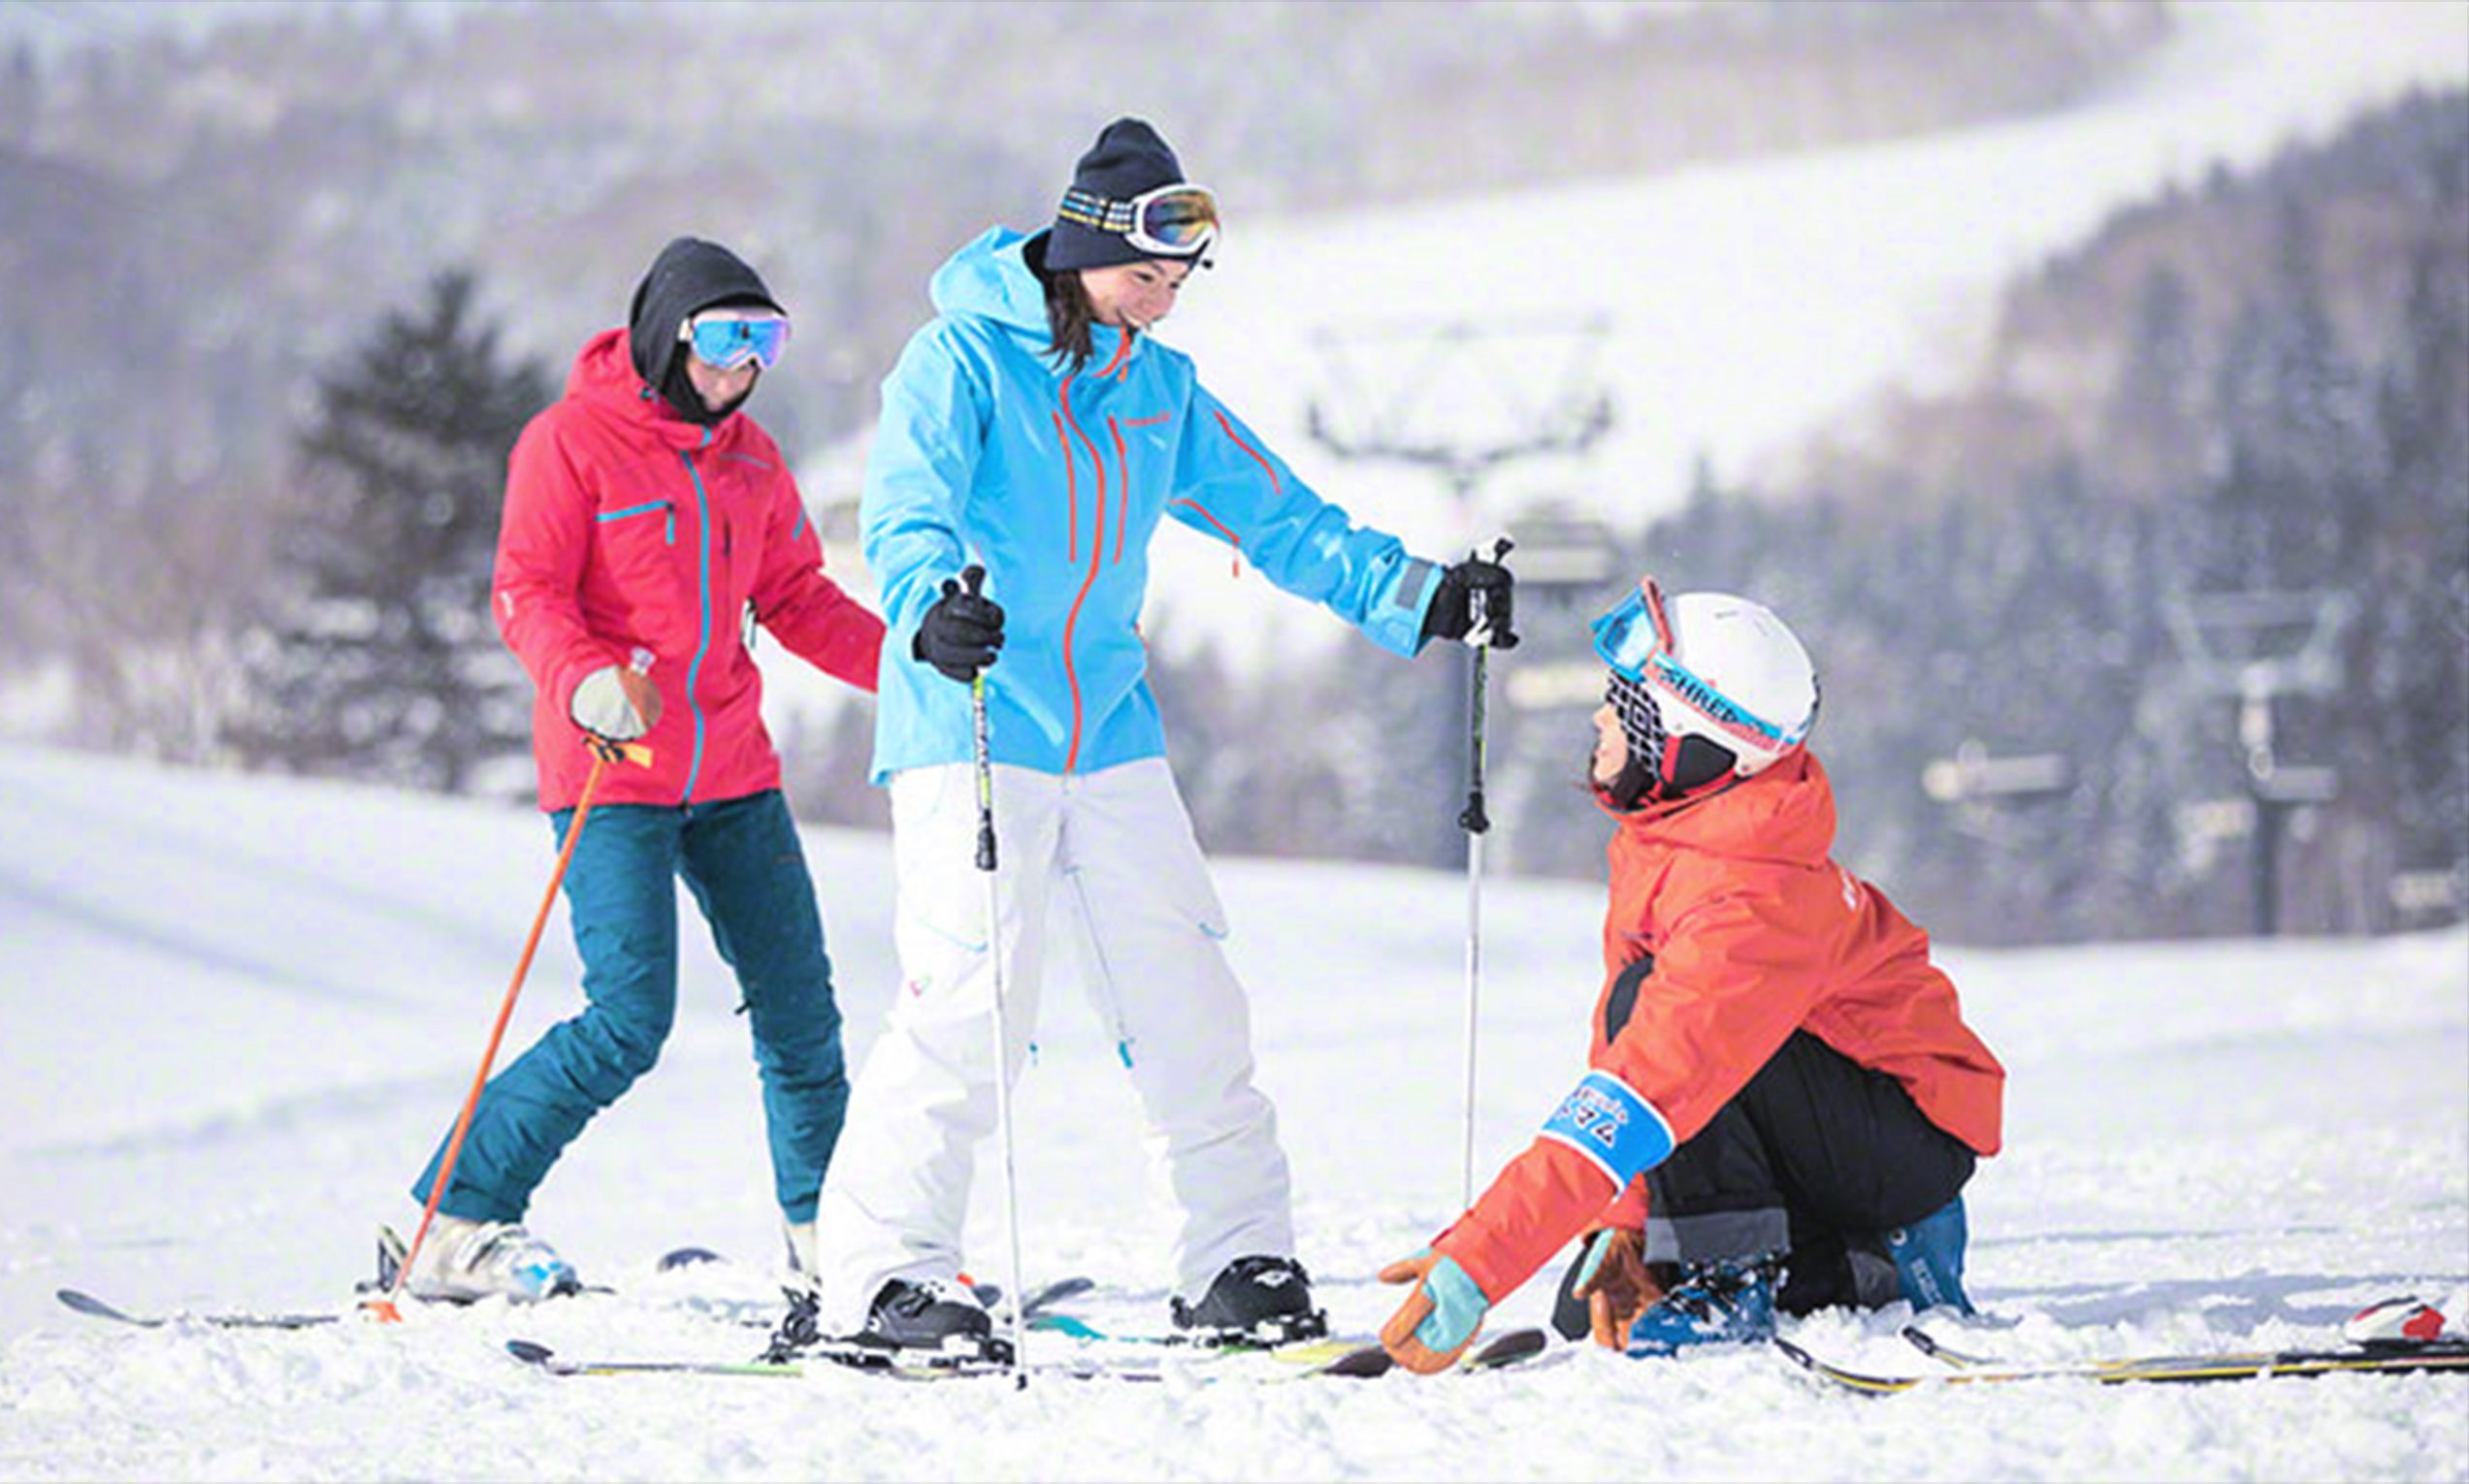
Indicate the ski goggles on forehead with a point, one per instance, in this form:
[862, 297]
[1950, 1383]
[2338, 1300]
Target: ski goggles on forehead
[1176, 220]
[1633, 632]
[727, 338]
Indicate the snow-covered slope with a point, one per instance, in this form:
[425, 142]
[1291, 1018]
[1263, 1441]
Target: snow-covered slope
[234, 1015]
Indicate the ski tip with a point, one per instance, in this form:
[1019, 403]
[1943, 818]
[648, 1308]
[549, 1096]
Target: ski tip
[1795, 1355]
[529, 1351]
[1507, 1349]
[1362, 1362]
[688, 1257]
[87, 1303]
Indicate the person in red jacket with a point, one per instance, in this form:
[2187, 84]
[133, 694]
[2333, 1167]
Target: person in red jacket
[1783, 1103]
[648, 521]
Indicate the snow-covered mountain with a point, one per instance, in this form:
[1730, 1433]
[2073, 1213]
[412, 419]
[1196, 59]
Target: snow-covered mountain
[237, 1011]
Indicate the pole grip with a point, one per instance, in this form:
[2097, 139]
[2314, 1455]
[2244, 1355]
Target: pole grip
[985, 769]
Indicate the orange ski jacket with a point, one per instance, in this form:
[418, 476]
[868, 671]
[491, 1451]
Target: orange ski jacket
[1729, 928]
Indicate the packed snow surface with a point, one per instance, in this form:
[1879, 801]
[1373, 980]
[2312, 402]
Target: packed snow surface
[240, 1010]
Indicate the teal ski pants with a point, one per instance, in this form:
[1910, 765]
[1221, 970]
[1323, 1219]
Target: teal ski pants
[741, 859]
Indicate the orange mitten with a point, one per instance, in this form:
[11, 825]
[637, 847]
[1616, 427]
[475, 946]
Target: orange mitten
[1615, 1284]
[1439, 1319]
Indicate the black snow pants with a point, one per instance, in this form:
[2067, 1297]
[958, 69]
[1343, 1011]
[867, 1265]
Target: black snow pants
[1816, 1158]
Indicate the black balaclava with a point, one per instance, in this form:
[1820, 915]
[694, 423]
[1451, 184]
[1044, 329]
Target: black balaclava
[1128, 158]
[688, 276]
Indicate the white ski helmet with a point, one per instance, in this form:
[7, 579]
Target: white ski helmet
[1708, 687]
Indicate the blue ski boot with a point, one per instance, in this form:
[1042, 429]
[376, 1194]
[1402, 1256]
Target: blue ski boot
[1727, 1302]
[1929, 1257]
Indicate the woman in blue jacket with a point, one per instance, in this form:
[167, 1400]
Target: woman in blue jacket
[1035, 428]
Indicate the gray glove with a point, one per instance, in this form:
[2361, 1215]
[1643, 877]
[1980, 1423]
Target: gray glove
[616, 703]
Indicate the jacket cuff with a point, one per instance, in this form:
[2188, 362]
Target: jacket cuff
[1396, 621]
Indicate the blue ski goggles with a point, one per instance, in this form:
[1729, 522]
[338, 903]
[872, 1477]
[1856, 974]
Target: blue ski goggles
[1633, 631]
[1635, 639]
[727, 338]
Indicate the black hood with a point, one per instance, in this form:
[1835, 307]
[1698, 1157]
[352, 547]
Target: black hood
[690, 274]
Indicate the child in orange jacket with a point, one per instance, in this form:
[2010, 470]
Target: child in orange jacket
[1784, 1102]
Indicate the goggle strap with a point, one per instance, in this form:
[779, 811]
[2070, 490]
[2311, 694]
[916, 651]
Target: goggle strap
[1098, 213]
[1652, 591]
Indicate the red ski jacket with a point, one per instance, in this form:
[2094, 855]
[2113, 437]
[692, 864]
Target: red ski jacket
[1754, 932]
[628, 526]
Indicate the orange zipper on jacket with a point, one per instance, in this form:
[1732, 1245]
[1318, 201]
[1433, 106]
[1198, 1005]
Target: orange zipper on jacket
[1096, 556]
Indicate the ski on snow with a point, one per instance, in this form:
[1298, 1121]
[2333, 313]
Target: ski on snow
[1339, 1357]
[734, 1311]
[1073, 1326]
[815, 1360]
[93, 1307]
[2241, 1366]
[89, 1305]
[2397, 1336]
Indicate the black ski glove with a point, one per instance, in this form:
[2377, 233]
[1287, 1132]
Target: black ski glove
[1474, 588]
[960, 633]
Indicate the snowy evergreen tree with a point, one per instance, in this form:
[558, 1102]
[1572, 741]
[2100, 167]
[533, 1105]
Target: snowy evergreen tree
[385, 661]
[2152, 429]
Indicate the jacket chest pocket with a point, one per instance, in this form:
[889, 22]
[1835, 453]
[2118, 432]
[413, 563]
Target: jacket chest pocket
[634, 532]
[636, 539]
[1142, 450]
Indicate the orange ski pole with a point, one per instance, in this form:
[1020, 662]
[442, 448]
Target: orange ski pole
[384, 1309]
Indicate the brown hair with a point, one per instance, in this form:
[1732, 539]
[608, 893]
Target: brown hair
[1068, 316]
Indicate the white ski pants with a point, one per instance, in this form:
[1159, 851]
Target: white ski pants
[1118, 848]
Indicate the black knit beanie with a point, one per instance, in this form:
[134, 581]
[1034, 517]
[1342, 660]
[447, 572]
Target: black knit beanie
[1128, 158]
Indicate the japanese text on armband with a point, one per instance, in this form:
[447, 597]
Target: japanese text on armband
[1605, 1120]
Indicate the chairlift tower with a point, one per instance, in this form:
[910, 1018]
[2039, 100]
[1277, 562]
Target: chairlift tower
[1466, 400]
[1462, 398]
[2251, 648]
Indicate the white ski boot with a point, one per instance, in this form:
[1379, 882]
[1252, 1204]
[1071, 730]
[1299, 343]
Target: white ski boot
[463, 1261]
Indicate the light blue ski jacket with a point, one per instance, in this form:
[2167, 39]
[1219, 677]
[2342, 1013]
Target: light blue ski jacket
[988, 453]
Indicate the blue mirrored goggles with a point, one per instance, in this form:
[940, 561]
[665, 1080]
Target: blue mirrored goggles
[727, 338]
[1633, 632]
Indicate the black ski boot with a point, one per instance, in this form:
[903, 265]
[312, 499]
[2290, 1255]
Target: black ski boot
[930, 1315]
[1256, 1300]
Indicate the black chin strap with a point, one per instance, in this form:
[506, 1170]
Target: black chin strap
[1633, 789]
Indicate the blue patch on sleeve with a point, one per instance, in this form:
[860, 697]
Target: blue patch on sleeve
[1605, 1120]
